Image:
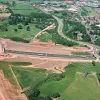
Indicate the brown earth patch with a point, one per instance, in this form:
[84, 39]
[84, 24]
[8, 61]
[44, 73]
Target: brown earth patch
[43, 48]
[9, 91]
[50, 64]
[5, 15]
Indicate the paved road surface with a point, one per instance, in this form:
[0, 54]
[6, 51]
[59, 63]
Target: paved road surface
[50, 55]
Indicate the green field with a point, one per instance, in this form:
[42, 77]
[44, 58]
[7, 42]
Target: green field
[7, 0]
[91, 11]
[81, 53]
[26, 1]
[69, 84]
[5, 66]
[23, 9]
[82, 89]
[22, 33]
[62, 85]
[29, 77]
[7, 71]
[45, 37]
[59, 86]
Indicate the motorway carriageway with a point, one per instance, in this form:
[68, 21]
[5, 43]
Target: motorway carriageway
[90, 57]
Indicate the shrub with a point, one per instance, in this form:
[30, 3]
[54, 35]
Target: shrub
[15, 30]
[6, 29]
[93, 63]
[28, 28]
[56, 95]
[19, 39]
[20, 27]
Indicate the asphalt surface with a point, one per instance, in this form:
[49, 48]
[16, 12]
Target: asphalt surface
[51, 55]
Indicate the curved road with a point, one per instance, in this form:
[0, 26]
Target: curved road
[93, 48]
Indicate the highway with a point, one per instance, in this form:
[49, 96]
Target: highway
[50, 55]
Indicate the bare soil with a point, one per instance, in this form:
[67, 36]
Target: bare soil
[9, 91]
[5, 15]
[43, 48]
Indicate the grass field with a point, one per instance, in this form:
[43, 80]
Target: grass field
[91, 11]
[81, 53]
[82, 89]
[59, 86]
[45, 37]
[7, 71]
[5, 66]
[21, 8]
[6, 0]
[28, 77]
[72, 86]
[62, 85]
[22, 33]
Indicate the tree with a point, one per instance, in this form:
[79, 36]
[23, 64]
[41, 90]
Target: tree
[47, 98]
[34, 94]
[13, 3]
[93, 63]
[28, 28]
[20, 27]
[15, 30]
[3, 27]
[56, 95]
[6, 29]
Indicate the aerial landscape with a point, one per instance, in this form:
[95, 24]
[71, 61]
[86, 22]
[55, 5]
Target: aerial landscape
[49, 49]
